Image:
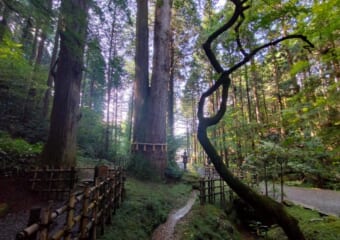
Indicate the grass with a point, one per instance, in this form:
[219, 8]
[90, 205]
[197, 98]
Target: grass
[314, 226]
[147, 205]
[206, 222]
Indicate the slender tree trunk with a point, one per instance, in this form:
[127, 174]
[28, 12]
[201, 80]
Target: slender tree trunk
[171, 100]
[256, 80]
[116, 122]
[51, 74]
[3, 23]
[60, 148]
[277, 76]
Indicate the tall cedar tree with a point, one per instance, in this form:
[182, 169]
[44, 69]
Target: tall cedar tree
[270, 210]
[150, 106]
[60, 148]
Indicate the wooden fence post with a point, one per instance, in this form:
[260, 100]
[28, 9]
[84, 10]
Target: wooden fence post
[209, 191]
[70, 216]
[110, 200]
[45, 222]
[85, 214]
[34, 218]
[202, 191]
[95, 210]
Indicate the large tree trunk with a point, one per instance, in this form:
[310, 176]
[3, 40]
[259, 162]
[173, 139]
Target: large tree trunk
[159, 83]
[150, 106]
[142, 73]
[60, 149]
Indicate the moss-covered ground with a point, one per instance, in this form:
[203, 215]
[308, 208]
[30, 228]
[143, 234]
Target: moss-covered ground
[314, 226]
[147, 205]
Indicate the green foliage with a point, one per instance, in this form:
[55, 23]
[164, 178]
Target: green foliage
[146, 206]
[90, 134]
[173, 171]
[13, 66]
[94, 83]
[3, 209]
[313, 226]
[21, 90]
[141, 168]
[13, 152]
[89, 162]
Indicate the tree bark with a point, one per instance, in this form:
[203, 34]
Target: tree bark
[60, 148]
[151, 102]
[142, 72]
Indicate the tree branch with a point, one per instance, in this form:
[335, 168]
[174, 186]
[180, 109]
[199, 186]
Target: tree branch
[266, 206]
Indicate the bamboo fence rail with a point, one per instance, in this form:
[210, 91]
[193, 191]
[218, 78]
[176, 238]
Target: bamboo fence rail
[83, 217]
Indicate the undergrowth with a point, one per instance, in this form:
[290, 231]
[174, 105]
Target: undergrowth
[206, 222]
[147, 205]
[314, 226]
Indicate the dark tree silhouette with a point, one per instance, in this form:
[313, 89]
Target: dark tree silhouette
[266, 207]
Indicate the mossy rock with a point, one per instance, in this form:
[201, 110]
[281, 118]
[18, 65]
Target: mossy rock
[3, 209]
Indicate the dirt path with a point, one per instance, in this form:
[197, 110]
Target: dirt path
[166, 230]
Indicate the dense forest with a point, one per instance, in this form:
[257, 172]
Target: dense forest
[250, 87]
[283, 105]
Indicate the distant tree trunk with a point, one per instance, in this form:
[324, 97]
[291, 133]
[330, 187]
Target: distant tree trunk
[171, 104]
[60, 148]
[3, 23]
[277, 76]
[265, 207]
[51, 74]
[112, 55]
[171, 97]
[257, 80]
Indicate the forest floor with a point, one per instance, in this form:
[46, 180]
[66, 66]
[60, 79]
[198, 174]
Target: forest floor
[15, 193]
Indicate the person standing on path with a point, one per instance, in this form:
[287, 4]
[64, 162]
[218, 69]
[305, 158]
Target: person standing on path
[185, 160]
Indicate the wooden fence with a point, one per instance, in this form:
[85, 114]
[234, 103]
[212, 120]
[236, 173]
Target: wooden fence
[52, 183]
[211, 189]
[83, 217]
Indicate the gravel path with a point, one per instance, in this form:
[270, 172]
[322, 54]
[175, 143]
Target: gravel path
[325, 201]
[166, 230]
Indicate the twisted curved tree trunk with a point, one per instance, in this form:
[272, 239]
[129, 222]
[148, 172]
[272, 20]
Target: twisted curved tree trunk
[268, 208]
